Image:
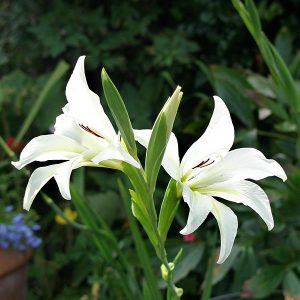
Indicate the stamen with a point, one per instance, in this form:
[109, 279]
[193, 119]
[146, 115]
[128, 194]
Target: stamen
[204, 163]
[86, 128]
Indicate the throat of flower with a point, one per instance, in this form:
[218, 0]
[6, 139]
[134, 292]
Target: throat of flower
[196, 170]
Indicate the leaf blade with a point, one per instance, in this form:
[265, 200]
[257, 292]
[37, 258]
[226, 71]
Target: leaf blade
[119, 112]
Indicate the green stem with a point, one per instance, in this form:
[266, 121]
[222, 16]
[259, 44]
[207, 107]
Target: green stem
[140, 246]
[58, 211]
[6, 149]
[140, 186]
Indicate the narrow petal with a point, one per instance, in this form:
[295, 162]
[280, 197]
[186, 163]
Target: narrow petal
[228, 224]
[142, 136]
[62, 176]
[170, 161]
[200, 206]
[114, 152]
[249, 163]
[215, 142]
[247, 193]
[84, 105]
[48, 147]
[36, 181]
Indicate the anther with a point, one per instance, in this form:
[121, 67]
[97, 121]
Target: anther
[86, 128]
[204, 163]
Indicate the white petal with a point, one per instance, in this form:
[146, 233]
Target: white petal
[66, 126]
[142, 136]
[62, 176]
[239, 164]
[170, 161]
[36, 181]
[114, 152]
[228, 224]
[84, 105]
[48, 147]
[249, 163]
[248, 193]
[200, 206]
[216, 140]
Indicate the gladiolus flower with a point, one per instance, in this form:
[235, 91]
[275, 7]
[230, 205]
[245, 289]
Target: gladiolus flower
[208, 170]
[83, 136]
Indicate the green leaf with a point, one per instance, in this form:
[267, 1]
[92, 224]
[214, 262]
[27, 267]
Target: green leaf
[286, 127]
[142, 217]
[295, 64]
[107, 246]
[119, 112]
[291, 284]
[232, 87]
[107, 205]
[262, 85]
[245, 267]
[221, 270]
[207, 286]
[283, 44]
[168, 209]
[282, 77]
[161, 132]
[266, 280]
[276, 107]
[58, 72]
[192, 257]
[147, 291]
[79, 180]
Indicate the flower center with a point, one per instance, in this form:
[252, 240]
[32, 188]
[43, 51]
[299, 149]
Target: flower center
[86, 128]
[196, 170]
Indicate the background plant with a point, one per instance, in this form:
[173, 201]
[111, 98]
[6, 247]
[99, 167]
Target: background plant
[209, 52]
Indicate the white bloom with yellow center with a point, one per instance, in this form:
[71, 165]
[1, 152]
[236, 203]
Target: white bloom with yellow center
[208, 169]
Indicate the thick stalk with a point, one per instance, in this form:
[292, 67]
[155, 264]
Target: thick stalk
[137, 178]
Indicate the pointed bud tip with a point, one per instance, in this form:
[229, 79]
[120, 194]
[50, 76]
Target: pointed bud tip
[103, 72]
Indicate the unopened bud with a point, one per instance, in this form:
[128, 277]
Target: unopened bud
[164, 272]
[179, 291]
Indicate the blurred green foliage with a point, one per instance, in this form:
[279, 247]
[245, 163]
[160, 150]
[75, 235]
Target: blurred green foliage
[148, 47]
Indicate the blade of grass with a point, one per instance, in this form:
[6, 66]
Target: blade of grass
[107, 247]
[119, 112]
[58, 72]
[209, 272]
[277, 67]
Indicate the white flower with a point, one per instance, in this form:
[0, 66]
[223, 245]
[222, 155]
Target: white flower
[83, 136]
[208, 169]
